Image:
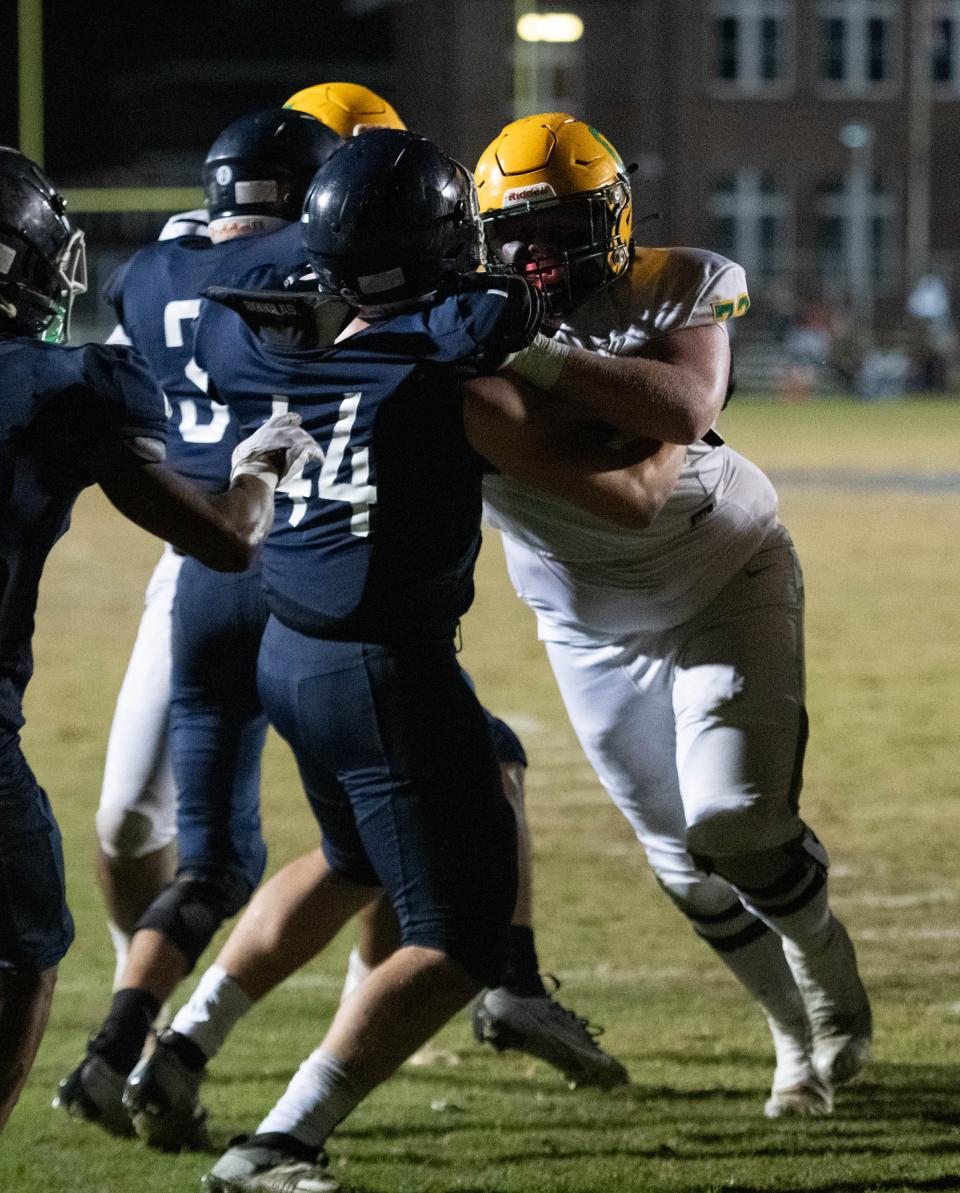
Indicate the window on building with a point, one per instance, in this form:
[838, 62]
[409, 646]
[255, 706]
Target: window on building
[751, 44]
[856, 51]
[945, 44]
[749, 222]
[855, 231]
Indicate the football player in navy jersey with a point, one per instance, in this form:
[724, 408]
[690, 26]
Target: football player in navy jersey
[367, 571]
[255, 177]
[70, 418]
[136, 822]
[532, 1020]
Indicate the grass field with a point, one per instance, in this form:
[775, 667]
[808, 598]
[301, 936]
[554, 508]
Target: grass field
[872, 496]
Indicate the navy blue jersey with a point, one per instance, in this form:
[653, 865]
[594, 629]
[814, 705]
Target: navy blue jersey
[56, 405]
[156, 297]
[378, 542]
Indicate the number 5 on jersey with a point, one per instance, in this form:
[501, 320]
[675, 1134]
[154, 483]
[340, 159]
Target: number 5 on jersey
[357, 492]
[175, 314]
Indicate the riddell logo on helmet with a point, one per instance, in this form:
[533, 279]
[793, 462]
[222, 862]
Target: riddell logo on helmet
[523, 194]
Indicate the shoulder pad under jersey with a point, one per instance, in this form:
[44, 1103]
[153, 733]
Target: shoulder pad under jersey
[186, 223]
[687, 287]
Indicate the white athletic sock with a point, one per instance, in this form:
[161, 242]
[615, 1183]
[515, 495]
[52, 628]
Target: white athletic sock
[121, 949]
[357, 970]
[214, 1008]
[763, 969]
[809, 928]
[321, 1094]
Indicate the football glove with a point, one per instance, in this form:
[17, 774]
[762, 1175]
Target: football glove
[257, 455]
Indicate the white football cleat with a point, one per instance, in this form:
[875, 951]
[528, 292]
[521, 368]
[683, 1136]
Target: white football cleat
[268, 1164]
[841, 1049]
[797, 1091]
[807, 1099]
[541, 1027]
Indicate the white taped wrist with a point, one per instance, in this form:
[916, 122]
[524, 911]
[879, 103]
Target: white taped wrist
[251, 466]
[541, 363]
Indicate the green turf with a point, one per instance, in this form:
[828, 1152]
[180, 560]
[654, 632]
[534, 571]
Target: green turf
[883, 573]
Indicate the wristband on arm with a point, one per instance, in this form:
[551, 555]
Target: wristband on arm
[541, 363]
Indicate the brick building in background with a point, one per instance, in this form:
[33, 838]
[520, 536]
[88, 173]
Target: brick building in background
[815, 141]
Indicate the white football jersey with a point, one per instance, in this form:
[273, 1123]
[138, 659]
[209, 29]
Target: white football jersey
[587, 578]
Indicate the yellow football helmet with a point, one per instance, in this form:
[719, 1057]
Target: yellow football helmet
[347, 108]
[556, 205]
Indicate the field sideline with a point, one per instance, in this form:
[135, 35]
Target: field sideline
[872, 497]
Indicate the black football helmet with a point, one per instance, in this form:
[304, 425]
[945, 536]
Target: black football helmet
[262, 164]
[389, 217]
[43, 263]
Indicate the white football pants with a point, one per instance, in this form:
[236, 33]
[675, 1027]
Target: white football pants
[137, 812]
[697, 732]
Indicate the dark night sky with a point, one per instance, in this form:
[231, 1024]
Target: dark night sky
[139, 90]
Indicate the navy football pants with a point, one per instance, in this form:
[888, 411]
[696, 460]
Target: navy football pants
[217, 724]
[398, 763]
[36, 928]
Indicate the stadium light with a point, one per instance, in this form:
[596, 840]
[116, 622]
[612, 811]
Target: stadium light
[550, 26]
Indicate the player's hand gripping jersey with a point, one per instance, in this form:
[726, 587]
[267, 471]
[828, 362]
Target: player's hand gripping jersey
[61, 408]
[155, 297]
[378, 541]
[611, 579]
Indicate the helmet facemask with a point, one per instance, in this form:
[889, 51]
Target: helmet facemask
[568, 247]
[71, 274]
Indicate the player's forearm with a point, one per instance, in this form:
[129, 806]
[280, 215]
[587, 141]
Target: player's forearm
[517, 430]
[246, 511]
[223, 531]
[639, 396]
[672, 391]
[628, 485]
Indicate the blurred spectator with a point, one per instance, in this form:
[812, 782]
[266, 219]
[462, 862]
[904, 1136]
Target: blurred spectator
[884, 374]
[931, 335]
[848, 353]
[807, 345]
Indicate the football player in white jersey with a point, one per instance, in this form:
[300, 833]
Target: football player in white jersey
[678, 648]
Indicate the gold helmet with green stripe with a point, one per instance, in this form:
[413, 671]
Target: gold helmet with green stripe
[347, 108]
[556, 205]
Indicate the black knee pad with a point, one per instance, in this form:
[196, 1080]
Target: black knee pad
[189, 910]
[782, 879]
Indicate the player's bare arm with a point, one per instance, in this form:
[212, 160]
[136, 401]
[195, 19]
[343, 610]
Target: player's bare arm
[222, 530]
[515, 427]
[672, 390]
